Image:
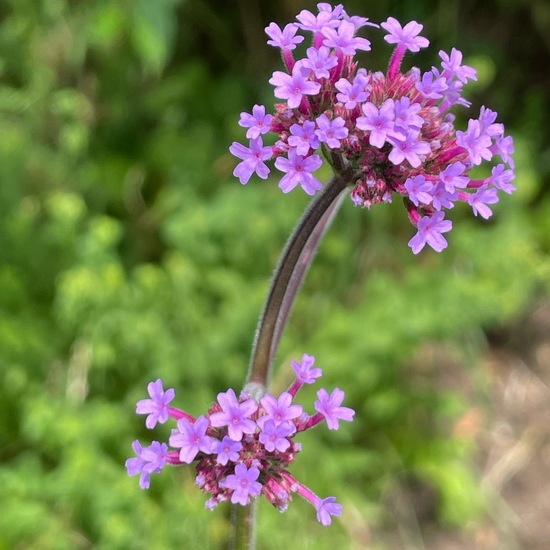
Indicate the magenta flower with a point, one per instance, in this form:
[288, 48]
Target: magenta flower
[316, 23]
[504, 146]
[285, 39]
[293, 87]
[242, 448]
[252, 159]
[410, 149]
[501, 178]
[420, 190]
[279, 409]
[452, 176]
[157, 406]
[487, 122]
[475, 141]
[406, 36]
[298, 170]
[453, 68]
[326, 508]
[388, 127]
[244, 484]
[305, 374]
[149, 460]
[228, 450]
[329, 407]
[319, 61]
[274, 436]
[331, 131]
[481, 198]
[379, 122]
[352, 93]
[344, 39]
[430, 231]
[257, 122]
[407, 117]
[430, 86]
[191, 438]
[441, 197]
[303, 137]
[235, 415]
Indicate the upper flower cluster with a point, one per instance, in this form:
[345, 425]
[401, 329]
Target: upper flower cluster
[394, 128]
[242, 448]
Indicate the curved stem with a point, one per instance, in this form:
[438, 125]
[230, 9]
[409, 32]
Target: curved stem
[289, 275]
[295, 260]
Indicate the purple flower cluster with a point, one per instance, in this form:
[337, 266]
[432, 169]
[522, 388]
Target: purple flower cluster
[395, 129]
[241, 447]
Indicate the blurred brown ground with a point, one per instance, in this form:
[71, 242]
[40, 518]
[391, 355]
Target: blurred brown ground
[510, 424]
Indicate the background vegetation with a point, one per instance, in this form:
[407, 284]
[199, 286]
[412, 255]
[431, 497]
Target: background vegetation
[128, 252]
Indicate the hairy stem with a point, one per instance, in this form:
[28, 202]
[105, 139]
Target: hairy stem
[287, 278]
[244, 524]
[289, 274]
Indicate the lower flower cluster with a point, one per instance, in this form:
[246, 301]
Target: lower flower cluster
[241, 447]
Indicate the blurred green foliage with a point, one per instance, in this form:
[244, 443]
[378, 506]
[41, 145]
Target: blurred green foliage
[128, 252]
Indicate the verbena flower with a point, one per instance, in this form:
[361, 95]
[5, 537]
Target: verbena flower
[393, 128]
[157, 407]
[242, 448]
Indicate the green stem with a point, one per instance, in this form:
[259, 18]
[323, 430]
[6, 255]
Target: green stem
[244, 526]
[288, 276]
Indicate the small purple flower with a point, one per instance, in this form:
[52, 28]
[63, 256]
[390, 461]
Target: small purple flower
[388, 127]
[279, 409]
[298, 170]
[481, 198]
[453, 68]
[284, 39]
[487, 122]
[505, 148]
[419, 190]
[227, 450]
[157, 406]
[274, 436]
[149, 460]
[379, 122]
[319, 61]
[406, 115]
[429, 232]
[244, 449]
[344, 39]
[441, 197]
[235, 415]
[409, 148]
[244, 484]
[476, 142]
[406, 36]
[304, 371]
[326, 508]
[451, 177]
[257, 122]
[252, 159]
[191, 438]
[293, 87]
[316, 23]
[331, 131]
[352, 93]
[501, 178]
[430, 86]
[303, 137]
[329, 407]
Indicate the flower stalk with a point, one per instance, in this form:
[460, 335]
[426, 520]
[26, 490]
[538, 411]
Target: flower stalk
[289, 274]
